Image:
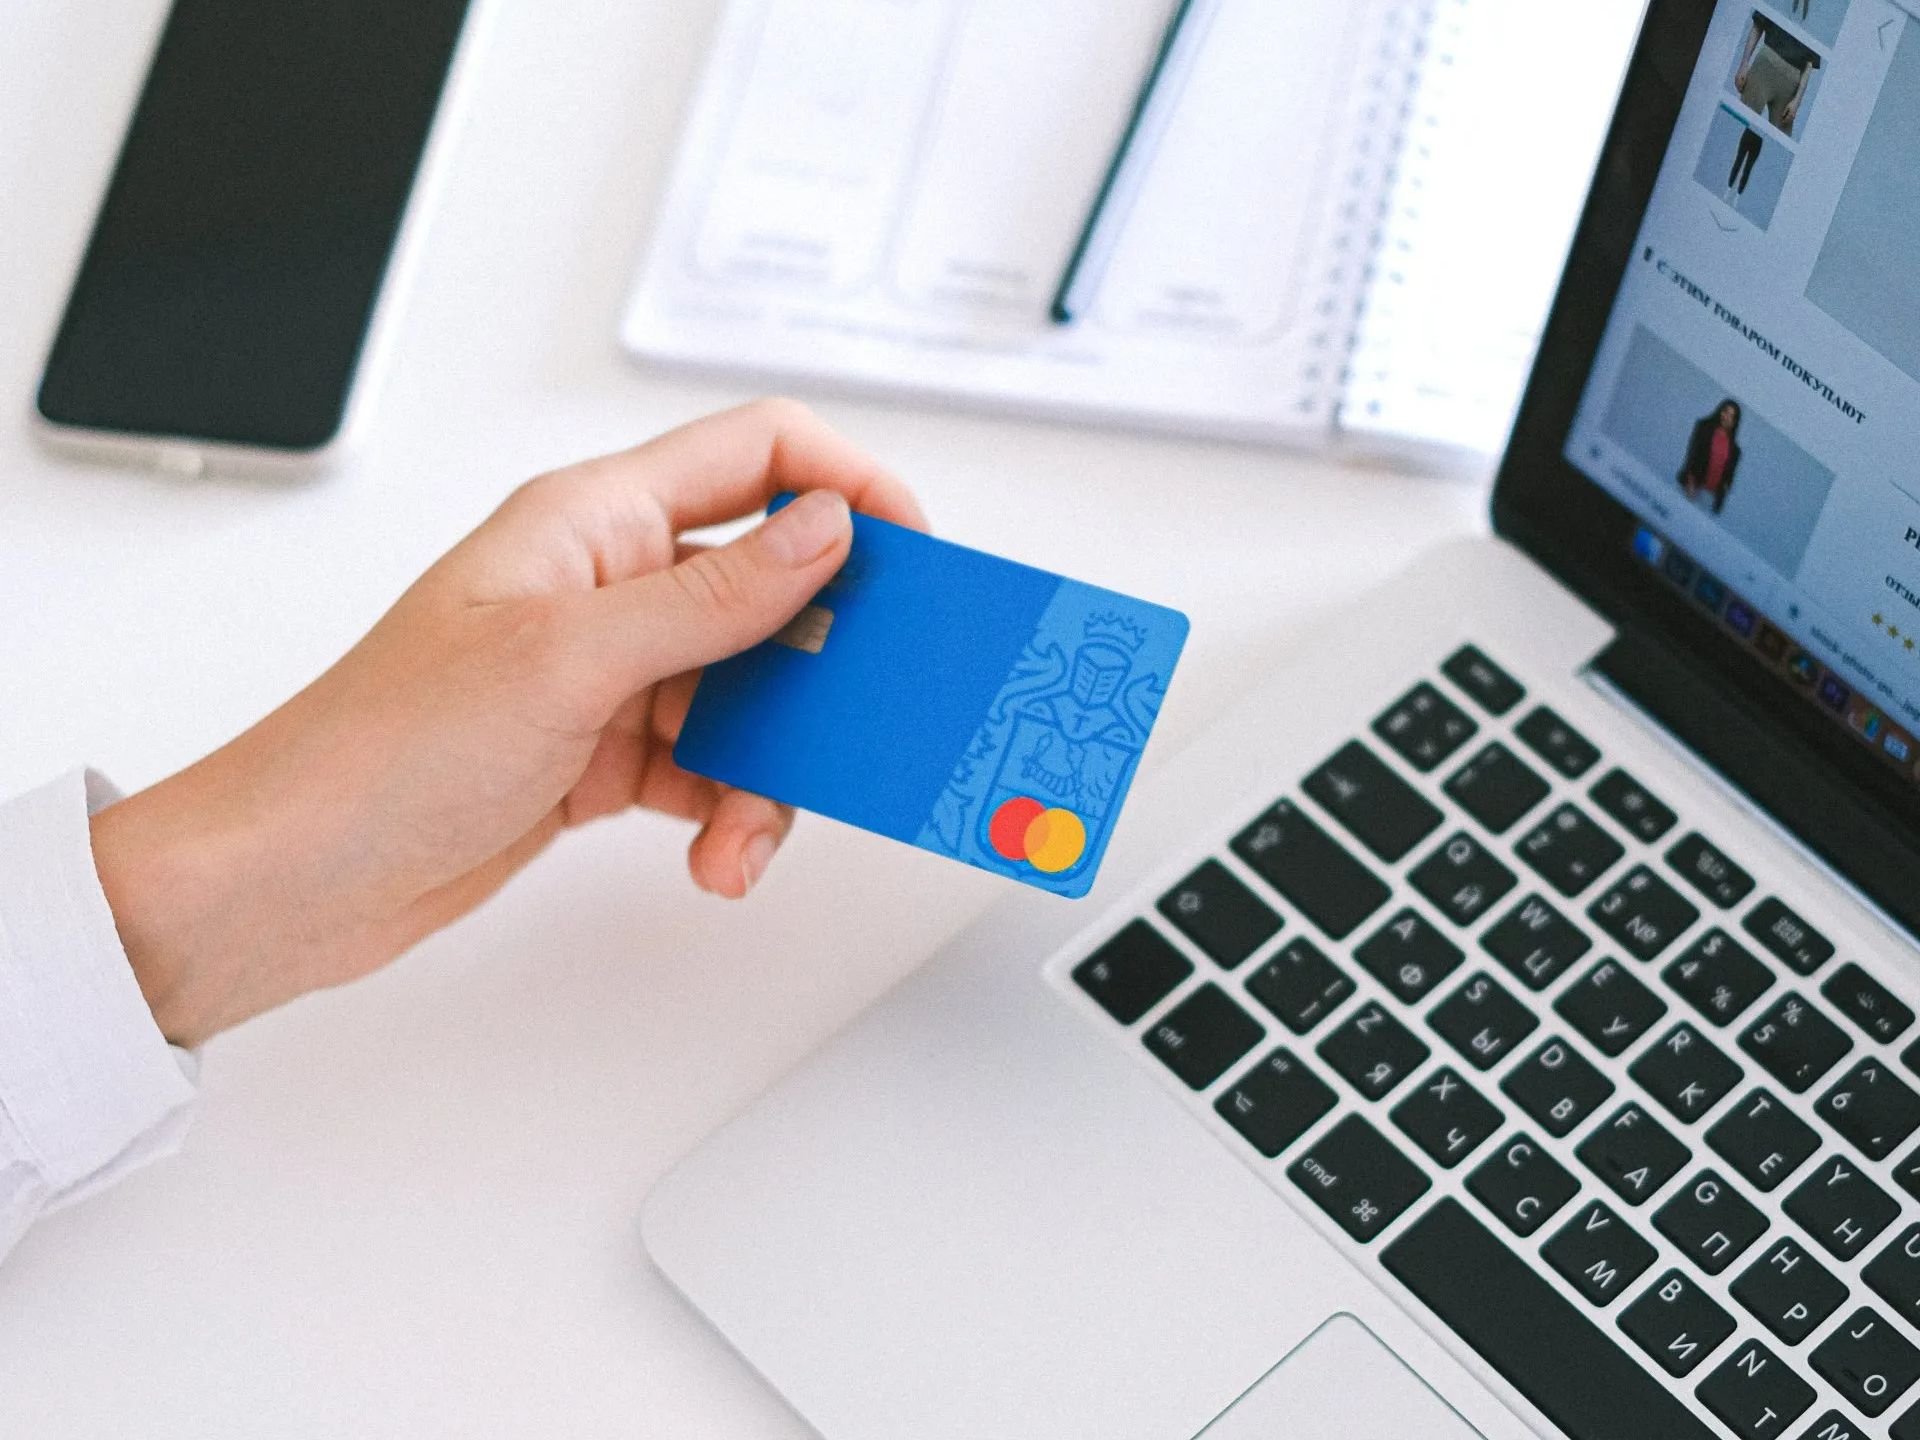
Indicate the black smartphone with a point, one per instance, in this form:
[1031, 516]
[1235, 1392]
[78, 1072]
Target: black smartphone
[230, 307]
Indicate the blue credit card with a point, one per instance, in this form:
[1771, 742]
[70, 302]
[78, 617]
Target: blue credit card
[975, 707]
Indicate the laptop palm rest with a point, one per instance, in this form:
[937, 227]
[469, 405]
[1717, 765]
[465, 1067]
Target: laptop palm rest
[1341, 1380]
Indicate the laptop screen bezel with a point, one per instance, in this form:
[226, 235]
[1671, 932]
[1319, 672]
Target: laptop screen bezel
[1806, 770]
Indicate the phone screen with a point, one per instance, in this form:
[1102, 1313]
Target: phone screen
[237, 258]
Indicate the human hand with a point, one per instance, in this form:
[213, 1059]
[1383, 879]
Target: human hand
[1740, 78]
[534, 678]
[1789, 115]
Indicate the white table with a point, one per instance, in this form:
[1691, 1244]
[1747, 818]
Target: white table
[408, 1207]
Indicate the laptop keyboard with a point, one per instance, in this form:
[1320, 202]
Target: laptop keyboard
[1556, 1061]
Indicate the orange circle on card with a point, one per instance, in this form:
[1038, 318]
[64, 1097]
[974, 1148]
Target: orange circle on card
[1007, 831]
[1054, 840]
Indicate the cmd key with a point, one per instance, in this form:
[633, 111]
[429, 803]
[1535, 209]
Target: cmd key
[1356, 1176]
[1308, 867]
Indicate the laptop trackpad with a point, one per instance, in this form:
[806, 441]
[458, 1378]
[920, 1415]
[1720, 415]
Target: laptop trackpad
[1341, 1380]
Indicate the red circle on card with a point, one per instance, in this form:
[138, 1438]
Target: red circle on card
[1007, 831]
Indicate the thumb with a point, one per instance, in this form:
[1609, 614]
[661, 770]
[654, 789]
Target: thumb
[718, 602]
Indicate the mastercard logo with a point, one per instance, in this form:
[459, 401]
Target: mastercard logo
[1049, 839]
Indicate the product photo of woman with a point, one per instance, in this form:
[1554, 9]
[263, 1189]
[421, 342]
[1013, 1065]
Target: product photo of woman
[1774, 72]
[1713, 455]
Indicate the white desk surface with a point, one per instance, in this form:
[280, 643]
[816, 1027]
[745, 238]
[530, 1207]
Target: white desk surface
[408, 1206]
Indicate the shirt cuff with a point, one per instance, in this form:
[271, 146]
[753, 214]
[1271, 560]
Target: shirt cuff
[89, 1087]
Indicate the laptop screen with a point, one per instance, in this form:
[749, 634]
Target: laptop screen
[1734, 363]
[1755, 398]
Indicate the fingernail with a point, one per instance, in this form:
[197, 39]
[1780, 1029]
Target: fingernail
[758, 855]
[799, 534]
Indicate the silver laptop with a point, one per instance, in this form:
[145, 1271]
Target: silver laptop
[1502, 1023]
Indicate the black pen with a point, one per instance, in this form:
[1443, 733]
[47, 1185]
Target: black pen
[1152, 112]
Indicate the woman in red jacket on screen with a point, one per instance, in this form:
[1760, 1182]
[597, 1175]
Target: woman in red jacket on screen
[1713, 454]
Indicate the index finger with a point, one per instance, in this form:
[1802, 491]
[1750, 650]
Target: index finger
[731, 464]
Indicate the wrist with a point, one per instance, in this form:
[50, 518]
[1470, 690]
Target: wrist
[176, 873]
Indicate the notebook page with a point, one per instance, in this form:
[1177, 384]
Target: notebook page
[1513, 102]
[883, 193]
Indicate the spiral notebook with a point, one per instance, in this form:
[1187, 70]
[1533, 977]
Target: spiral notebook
[1350, 231]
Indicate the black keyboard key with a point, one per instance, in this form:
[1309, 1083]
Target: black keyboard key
[1705, 866]
[1354, 1174]
[1558, 743]
[1497, 691]
[1907, 1174]
[1462, 879]
[1496, 788]
[1447, 1117]
[1867, 1361]
[1907, 1427]
[1867, 1003]
[1795, 1043]
[1522, 1184]
[1372, 1051]
[1710, 1222]
[1795, 942]
[1610, 1007]
[1424, 727]
[1872, 1108]
[1558, 1087]
[1676, 1323]
[1569, 851]
[1526, 1330]
[1305, 864]
[1202, 1036]
[1894, 1274]
[1635, 808]
[1763, 1140]
[1383, 812]
[1841, 1208]
[1275, 1103]
[1132, 972]
[1832, 1425]
[1718, 977]
[1754, 1393]
[1789, 1291]
[1220, 915]
[1409, 956]
[1643, 913]
[1685, 1073]
[1300, 985]
[1634, 1153]
[1536, 942]
[1482, 1021]
[1598, 1253]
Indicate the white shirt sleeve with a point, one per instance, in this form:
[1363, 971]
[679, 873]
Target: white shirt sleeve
[89, 1089]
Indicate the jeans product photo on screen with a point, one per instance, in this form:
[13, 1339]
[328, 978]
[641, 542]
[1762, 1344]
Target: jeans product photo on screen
[1743, 169]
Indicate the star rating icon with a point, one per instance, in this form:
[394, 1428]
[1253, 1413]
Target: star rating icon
[1908, 640]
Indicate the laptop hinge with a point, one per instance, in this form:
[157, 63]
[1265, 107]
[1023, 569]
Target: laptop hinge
[1864, 852]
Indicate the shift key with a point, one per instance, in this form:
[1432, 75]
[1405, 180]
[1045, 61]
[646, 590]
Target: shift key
[1308, 867]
